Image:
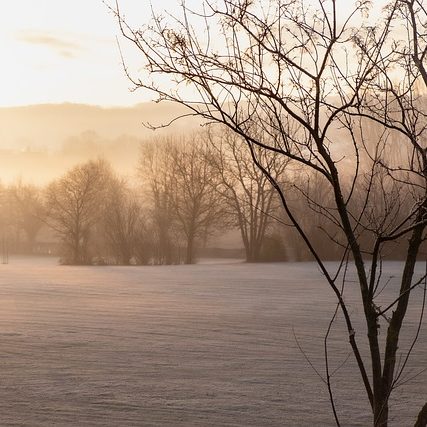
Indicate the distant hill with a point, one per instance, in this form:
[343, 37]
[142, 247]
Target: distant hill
[40, 142]
[49, 125]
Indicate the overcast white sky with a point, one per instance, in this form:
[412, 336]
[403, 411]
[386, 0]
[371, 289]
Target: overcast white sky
[55, 51]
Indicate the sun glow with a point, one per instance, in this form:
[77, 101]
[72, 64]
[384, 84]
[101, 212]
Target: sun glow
[55, 51]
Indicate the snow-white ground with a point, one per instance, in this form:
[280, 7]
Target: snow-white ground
[203, 345]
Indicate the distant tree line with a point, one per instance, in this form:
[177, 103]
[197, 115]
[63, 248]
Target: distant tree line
[186, 190]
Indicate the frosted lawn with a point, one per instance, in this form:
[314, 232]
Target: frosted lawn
[203, 345]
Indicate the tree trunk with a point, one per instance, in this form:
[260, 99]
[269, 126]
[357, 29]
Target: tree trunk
[250, 253]
[189, 254]
[76, 250]
[381, 411]
[422, 417]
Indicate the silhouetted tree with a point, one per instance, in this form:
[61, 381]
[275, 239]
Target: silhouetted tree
[156, 173]
[198, 206]
[122, 221]
[5, 223]
[28, 210]
[246, 190]
[183, 187]
[313, 78]
[74, 205]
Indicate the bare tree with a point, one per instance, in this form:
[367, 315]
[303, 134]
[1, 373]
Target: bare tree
[247, 192]
[5, 223]
[74, 205]
[156, 174]
[183, 186]
[28, 211]
[289, 67]
[309, 193]
[122, 221]
[198, 205]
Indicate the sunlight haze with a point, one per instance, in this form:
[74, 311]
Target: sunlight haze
[57, 51]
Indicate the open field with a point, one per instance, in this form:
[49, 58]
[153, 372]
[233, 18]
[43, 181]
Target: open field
[203, 345]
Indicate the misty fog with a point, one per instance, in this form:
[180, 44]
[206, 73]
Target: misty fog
[38, 143]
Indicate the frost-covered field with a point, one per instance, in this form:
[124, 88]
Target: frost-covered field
[204, 345]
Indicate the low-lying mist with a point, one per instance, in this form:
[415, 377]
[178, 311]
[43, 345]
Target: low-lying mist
[38, 143]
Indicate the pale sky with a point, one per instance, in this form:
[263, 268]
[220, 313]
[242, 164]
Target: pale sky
[55, 51]
[62, 51]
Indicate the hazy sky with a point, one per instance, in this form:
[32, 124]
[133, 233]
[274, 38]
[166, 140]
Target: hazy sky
[55, 51]
[61, 50]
